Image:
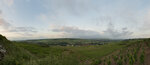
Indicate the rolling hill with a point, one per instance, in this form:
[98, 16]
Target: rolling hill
[128, 52]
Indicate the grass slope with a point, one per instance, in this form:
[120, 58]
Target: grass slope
[19, 53]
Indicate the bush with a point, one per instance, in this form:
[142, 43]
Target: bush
[109, 62]
[119, 62]
[142, 57]
[125, 59]
[131, 60]
[115, 58]
[96, 62]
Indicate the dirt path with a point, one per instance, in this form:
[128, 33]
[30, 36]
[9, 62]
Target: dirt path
[147, 53]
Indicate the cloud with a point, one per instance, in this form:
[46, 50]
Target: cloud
[146, 21]
[61, 10]
[76, 32]
[28, 0]
[9, 28]
[43, 17]
[0, 12]
[4, 24]
[81, 33]
[70, 6]
[6, 27]
[9, 2]
[116, 34]
[23, 29]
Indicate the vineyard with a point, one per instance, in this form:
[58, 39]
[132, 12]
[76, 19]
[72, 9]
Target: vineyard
[135, 54]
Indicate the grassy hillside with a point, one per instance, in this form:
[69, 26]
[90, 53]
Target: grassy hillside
[67, 55]
[15, 55]
[19, 53]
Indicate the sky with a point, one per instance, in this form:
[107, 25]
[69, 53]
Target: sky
[103, 19]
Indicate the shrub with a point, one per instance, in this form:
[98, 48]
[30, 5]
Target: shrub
[125, 59]
[135, 56]
[108, 62]
[121, 57]
[96, 62]
[115, 58]
[131, 60]
[142, 58]
[119, 62]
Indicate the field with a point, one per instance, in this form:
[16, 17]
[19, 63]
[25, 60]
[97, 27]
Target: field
[23, 53]
[69, 41]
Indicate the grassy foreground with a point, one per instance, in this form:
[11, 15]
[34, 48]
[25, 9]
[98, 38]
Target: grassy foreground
[34, 54]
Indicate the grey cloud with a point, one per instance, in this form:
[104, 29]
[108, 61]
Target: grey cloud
[112, 33]
[23, 29]
[76, 7]
[0, 12]
[124, 28]
[10, 28]
[77, 33]
[145, 25]
[4, 24]
[80, 33]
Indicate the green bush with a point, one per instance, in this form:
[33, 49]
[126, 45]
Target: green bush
[125, 59]
[142, 57]
[131, 59]
[96, 62]
[115, 58]
[109, 62]
[119, 62]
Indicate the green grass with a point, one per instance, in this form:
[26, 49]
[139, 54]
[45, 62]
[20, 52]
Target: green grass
[19, 53]
[66, 55]
[33, 54]
[96, 51]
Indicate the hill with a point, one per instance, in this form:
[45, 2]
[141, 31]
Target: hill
[69, 41]
[128, 52]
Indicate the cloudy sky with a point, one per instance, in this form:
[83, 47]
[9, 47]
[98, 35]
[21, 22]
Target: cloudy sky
[38, 19]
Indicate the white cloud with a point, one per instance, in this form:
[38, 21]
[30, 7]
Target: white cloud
[124, 14]
[43, 17]
[28, 0]
[146, 21]
[9, 2]
[76, 32]
[111, 32]
[12, 31]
